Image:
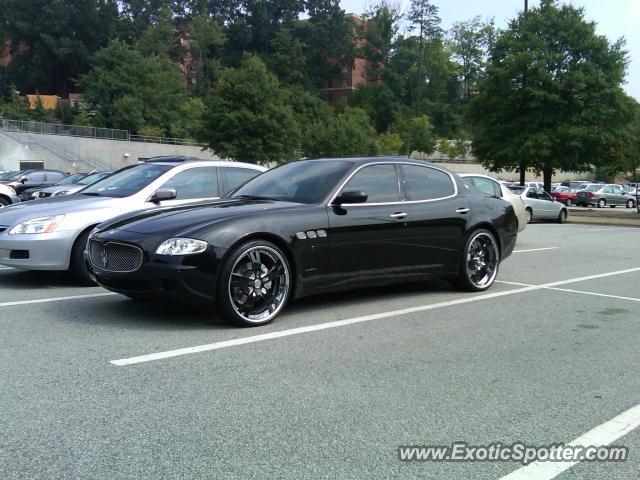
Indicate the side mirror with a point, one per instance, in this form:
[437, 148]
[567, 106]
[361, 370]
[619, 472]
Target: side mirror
[23, 179]
[351, 196]
[163, 194]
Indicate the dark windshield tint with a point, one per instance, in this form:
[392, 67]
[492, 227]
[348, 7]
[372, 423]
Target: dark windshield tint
[16, 176]
[128, 181]
[299, 182]
[7, 175]
[72, 180]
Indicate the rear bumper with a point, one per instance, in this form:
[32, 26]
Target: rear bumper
[45, 251]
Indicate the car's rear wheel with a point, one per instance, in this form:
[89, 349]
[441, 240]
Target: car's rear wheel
[630, 204]
[569, 202]
[78, 265]
[254, 285]
[562, 216]
[480, 261]
[529, 215]
[601, 203]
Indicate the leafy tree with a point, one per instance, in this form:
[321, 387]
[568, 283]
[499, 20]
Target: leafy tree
[469, 42]
[340, 134]
[54, 39]
[389, 143]
[287, 60]
[570, 113]
[190, 122]
[417, 134]
[206, 41]
[379, 30]
[248, 117]
[266, 17]
[128, 90]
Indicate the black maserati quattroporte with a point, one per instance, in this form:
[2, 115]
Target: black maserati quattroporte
[308, 227]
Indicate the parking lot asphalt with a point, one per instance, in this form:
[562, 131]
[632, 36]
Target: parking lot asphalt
[94, 385]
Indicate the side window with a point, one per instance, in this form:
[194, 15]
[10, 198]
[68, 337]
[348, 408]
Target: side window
[35, 177]
[532, 193]
[486, 186]
[199, 182]
[54, 177]
[379, 182]
[237, 176]
[425, 183]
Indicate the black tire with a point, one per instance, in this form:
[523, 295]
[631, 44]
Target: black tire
[472, 260]
[78, 265]
[562, 216]
[529, 213]
[261, 287]
[601, 203]
[4, 202]
[630, 204]
[569, 202]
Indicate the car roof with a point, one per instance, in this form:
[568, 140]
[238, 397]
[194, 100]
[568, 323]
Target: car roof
[176, 160]
[367, 160]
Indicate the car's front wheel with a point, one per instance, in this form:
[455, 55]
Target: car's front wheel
[254, 284]
[562, 216]
[602, 203]
[529, 215]
[480, 261]
[630, 204]
[78, 265]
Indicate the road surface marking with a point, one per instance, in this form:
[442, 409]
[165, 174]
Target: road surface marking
[594, 293]
[55, 299]
[604, 434]
[349, 321]
[535, 250]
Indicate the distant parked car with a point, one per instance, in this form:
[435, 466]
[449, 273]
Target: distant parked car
[32, 193]
[7, 196]
[34, 178]
[493, 187]
[64, 188]
[566, 195]
[539, 205]
[51, 234]
[603, 196]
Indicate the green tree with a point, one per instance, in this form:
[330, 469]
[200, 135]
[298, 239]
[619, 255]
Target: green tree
[128, 90]
[287, 60]
[551, 98]
[248, 116]
[417, 134]
[340, 134]
[379, 30]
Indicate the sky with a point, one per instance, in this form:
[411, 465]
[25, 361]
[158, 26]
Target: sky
[614, 18]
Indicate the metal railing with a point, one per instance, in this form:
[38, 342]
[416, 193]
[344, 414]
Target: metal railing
[166, 140]
[44, 128]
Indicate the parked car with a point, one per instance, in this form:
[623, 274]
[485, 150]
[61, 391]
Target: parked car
[51, 234]
[34, 178]
[63, 188]
[307, 227]
[603, 196]
[8, 196]
[539, 205]
[534, 184]
[566, 195]
[493, 187]
[33, 193]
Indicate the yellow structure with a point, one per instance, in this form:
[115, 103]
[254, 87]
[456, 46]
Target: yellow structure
[49, 102]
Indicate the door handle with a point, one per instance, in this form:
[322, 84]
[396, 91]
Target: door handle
[398, 215]
[462, 210]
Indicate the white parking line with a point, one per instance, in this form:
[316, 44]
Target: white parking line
[617, 297]
[604, 434]
[55, 299]
[349, 321]
[535, 250]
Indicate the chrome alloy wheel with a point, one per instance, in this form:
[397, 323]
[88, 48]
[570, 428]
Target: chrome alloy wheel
[259, 284]
[482, 260]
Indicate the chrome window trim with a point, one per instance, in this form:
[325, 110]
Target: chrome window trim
[402, 202]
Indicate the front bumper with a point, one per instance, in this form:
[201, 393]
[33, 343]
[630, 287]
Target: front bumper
[184, 279]
[43, 251]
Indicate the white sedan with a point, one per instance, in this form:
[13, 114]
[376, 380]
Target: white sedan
[539, 205]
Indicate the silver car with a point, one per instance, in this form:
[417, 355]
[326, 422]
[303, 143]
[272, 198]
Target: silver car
[539, 205]
[51, 234]
[7, 195]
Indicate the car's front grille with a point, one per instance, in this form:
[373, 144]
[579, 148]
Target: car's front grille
[115, 257]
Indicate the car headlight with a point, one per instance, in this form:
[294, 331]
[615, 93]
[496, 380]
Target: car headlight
[12, 190]
[60, 192]
[37, 225]
[181, 246]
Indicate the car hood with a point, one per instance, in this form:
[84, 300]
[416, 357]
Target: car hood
[67, 188]
[64, 205]
[190, 216]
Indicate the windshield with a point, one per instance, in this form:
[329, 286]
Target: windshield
[7, 175]
[299, 182]
[15, 176]
[517, 189]
[89, 179]
[127, 181]
[71, 180]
